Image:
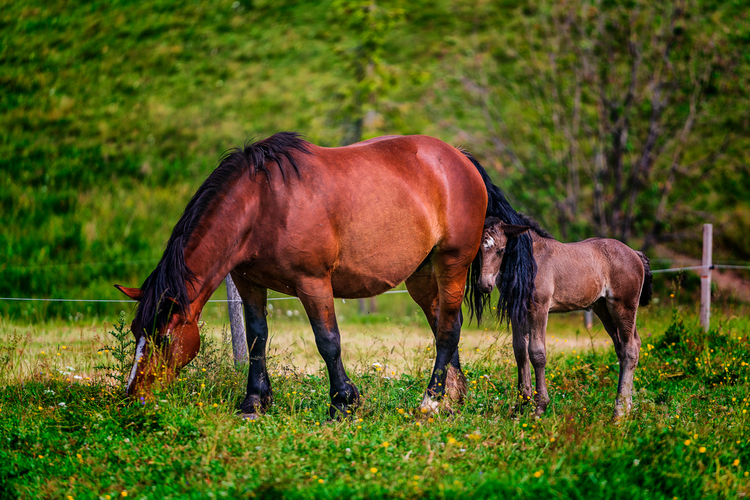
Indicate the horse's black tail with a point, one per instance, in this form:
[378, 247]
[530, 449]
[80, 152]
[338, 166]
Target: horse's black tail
[648, 285]
[518, 267]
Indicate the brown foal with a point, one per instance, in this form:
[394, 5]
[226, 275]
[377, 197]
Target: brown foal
[600, 274]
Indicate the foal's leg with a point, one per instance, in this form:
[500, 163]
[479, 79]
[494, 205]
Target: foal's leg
[537, 328]
[619, 321]
[422, 287]
[451, 278]
[521, 352]
[317, 299]
[259, 395]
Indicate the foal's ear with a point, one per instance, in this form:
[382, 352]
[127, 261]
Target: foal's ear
[511, 230]
[133, 293]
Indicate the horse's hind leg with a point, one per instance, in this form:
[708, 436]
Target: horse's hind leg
[422, 286]
[451, 279]
[317, 299]
[259, 395]
[618, 319]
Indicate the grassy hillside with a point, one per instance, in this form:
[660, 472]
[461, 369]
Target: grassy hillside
[114, 113]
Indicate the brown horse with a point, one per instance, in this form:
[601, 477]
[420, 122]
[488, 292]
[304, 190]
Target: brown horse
[600, 274]
[318, 223]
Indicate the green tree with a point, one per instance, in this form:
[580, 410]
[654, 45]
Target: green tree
[367, 26]
[616, 95]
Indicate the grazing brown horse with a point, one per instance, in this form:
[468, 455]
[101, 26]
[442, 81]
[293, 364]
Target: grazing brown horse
[318, 223]
[601, 274]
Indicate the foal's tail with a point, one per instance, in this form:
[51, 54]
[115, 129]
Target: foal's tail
[648, 285]
[518, 267]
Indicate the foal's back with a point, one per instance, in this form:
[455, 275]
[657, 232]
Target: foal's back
[572, 276]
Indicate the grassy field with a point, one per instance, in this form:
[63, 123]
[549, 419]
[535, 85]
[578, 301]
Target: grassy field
[66, 430]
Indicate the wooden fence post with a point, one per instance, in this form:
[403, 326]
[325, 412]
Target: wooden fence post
[588, 319]
[706, 277]
[363, 306]
[236, 323]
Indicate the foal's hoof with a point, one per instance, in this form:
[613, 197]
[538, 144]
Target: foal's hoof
[623, 409]
[619, 417]
[249, 416]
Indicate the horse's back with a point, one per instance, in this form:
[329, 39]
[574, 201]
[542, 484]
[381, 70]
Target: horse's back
[623, 268]
[398, 181]
[375, 210]
[580, 273]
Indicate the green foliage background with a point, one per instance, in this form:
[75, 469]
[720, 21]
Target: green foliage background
[113, 113]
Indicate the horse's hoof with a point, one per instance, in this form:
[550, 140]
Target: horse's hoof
[249, 416]
[540, 410]
[619, 417]
[430, 407]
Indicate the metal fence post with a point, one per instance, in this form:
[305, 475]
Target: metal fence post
[236, 323]
[706, 277]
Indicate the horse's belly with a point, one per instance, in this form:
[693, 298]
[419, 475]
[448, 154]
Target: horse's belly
[576, 298]
[369, 277]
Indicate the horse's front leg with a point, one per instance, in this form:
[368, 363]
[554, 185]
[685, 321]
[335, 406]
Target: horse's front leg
[259, 395]
[317, 299]
[521, 352]
[537, 328]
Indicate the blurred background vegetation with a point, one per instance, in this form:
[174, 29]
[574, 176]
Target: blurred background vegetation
[623, 119]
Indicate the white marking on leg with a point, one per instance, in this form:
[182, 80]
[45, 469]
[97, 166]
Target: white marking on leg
[430, 405]
[138, 357]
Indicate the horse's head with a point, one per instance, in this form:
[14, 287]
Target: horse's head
[161, 351]
[494, 240]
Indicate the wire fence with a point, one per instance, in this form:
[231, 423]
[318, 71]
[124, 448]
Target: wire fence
[697, 268]
[654, 271]
[30, 299]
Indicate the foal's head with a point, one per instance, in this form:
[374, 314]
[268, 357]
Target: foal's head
[494, 240]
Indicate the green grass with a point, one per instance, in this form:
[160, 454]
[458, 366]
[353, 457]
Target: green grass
[687, 438]
[112, 114]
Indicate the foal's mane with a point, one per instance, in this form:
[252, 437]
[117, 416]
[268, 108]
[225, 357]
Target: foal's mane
[167, 284]
[518, 267]
[527, 221]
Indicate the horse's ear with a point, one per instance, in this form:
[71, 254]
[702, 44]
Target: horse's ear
[511, 230]
[133, 293]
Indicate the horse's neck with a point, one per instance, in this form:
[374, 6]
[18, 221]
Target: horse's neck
[542, 245]
[214, 246]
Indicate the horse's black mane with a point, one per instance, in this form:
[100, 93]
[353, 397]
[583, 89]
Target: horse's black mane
[169, 281]
[518, 267]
